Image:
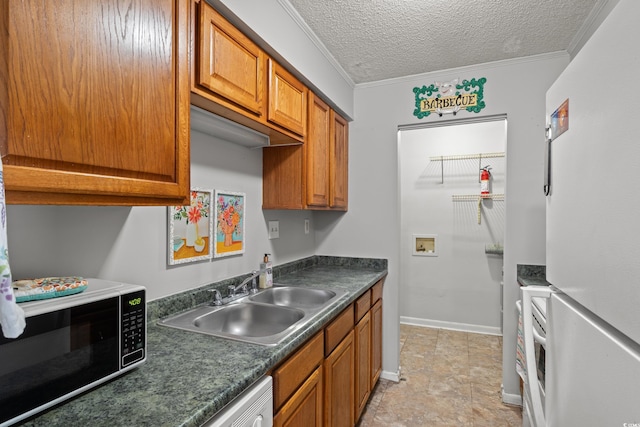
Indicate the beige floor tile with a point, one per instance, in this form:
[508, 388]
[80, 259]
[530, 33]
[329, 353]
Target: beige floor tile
[449, 378]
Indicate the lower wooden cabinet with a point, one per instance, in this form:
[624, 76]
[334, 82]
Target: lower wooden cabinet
[304, 408]
[328, 381]
[339, 371]
[376, 342]
[363, 363]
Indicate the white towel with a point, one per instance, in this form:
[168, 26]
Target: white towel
[11, 315]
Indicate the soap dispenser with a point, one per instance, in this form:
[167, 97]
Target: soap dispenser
[266, 273]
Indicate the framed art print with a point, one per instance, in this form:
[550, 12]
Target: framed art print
[229, 223]
[191, 229]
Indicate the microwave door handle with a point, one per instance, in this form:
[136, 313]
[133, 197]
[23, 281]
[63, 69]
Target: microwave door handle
[529, 352]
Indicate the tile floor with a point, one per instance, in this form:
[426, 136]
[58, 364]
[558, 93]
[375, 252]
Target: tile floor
[448, 378]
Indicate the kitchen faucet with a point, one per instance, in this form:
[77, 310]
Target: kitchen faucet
[232, 290]
[254, 287]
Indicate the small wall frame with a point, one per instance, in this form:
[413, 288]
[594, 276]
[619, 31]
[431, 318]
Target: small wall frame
[191, 229]
[424, 245]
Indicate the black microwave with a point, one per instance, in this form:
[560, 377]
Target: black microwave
[71, 344]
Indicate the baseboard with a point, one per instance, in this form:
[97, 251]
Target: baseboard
[463, 327]
[511, 399]
[391, 376]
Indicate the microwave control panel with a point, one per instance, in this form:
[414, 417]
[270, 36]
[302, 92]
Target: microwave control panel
[133, 327]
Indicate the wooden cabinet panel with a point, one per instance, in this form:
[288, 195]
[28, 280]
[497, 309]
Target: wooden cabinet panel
[376, 342]
[287, 99]
[338, 329]
[362, 305]
[317, 153]
[339, 385]
[291, 374]
[363, 363]
[305, 406]
[231, 65]
[96, 102]
[376, 291]
[339, 165]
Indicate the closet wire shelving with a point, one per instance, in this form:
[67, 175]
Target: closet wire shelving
[490, 249]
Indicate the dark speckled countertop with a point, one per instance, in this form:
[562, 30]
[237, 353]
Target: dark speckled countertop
[188, 377]
[532, 275]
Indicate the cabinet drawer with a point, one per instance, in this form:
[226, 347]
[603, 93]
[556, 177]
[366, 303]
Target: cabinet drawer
[363, 304]
[291, 374]
[338, 329]
[376, 291]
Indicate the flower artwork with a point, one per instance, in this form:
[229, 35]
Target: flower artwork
[229, 223]
[191, 229]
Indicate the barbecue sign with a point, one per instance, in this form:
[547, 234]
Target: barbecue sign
[449, 97]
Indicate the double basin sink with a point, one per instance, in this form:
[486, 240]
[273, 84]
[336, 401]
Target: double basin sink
[267, 317]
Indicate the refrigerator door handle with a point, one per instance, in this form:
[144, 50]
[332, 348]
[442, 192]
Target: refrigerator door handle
[547, 162]
[529, 352]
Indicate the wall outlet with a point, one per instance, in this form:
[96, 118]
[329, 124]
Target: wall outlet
[306, 226]
[274, 230]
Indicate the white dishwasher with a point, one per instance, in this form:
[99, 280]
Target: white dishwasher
[253, 408]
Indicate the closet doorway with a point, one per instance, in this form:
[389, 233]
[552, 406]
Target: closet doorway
[451, 229]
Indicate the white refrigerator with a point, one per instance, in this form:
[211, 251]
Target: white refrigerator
[593, 231]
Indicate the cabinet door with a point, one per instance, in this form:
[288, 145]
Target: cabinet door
[231, 65]
[363, 363]
[339, 391]
[287, 99]
[95, 106]
[304, 408]
[317, 152]
[376, 342]
[339, 166]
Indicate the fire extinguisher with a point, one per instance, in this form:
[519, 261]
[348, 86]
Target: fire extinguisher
[485, 176]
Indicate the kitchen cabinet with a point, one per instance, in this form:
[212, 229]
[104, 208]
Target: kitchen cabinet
[312, 176]
[230, 65]
[339, 163]
[287, 99]
[304, 408]
[94, 106]
[339, 371]
[362, 334]
[348, 354]
[318, 153]
[297, 386]
[232, 76]
[376, 341]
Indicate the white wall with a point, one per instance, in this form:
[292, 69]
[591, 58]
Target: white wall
[460, 287]
[130, 244]
[370, 228]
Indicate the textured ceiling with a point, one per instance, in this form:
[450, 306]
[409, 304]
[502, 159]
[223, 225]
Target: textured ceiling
[381, 39]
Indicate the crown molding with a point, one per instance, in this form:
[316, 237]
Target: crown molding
[288, 7]
[466, 69]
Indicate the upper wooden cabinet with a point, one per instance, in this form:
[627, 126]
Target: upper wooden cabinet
[94, 102]
[339, 163]
[315, 175]
[287, 99]
[230, 65]
[234, 78]
[318, 153]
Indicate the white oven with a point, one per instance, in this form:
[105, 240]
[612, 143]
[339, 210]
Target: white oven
[533, 308]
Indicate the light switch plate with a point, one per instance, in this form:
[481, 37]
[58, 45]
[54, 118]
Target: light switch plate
[274, 230]
[306, 226]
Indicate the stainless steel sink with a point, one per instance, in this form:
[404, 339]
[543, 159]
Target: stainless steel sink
[266, 318]
[291, 296]
[249, 320]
